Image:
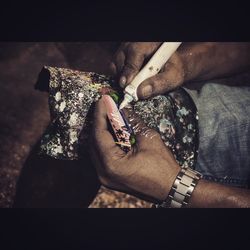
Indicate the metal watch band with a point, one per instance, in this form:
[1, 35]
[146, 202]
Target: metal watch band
[182, 189]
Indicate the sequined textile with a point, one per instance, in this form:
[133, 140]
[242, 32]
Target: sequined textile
[71, 95]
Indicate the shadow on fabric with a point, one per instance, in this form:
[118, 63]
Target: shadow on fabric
[45, 182]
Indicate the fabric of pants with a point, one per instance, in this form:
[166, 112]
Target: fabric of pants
[224, 133]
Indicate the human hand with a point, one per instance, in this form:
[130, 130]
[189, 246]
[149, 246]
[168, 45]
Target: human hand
[131, 57]
[147, 171]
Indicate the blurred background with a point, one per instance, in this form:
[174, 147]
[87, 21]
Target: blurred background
[24, 112]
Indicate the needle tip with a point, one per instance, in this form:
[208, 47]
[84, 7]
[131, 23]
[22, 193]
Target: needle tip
[123, 104]
[127, 99]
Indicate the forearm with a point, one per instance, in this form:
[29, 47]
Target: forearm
[211, 195]
[208, 60]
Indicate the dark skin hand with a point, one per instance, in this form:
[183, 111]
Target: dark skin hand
[191, 62]
[149, 169]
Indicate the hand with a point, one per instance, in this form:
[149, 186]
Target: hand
[147, 171]
[131, 57]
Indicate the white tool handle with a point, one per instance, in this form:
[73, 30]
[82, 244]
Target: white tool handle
[154, 65]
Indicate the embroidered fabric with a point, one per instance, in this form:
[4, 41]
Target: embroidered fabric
[72, 94]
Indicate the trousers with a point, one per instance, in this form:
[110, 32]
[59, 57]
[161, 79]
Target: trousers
[224, 133]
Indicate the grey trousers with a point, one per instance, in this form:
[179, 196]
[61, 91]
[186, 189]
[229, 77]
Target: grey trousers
[224, 133]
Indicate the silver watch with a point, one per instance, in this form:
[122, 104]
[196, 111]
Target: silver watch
[182, 189]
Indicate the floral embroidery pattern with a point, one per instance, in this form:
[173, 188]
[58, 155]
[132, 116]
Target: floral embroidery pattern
[71, 95]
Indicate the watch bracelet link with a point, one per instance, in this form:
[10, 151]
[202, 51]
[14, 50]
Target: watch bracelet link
[182, 189]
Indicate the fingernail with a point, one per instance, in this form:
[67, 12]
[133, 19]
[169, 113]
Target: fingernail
[122, 81]
[147, 91]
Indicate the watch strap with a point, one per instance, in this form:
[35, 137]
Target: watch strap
[182, 189]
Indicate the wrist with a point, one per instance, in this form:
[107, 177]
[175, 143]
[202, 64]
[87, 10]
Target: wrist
[182, 189]
[169, 183]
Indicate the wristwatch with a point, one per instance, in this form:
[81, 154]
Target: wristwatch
[182, 189]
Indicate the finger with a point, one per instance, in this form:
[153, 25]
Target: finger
[170, 78]
[144, 134]
[136, 53]
[119, 59]
[103, 139]
[112, 68]
[133, 64]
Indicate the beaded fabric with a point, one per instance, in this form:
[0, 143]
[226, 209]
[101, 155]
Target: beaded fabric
[72, 94]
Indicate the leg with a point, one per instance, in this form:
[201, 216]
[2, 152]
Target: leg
[224, 128]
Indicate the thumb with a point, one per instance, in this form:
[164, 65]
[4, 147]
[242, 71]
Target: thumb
[103, 139]
[161, 83]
